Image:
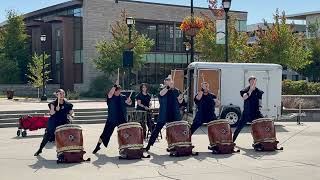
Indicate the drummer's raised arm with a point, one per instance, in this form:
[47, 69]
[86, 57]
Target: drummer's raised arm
[112, 90]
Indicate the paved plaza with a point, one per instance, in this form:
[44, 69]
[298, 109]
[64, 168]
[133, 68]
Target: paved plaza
[299, 160]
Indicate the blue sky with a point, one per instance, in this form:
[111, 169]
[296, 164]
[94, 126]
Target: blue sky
[257, 9]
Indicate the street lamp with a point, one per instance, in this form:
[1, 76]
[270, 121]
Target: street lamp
[226, 6]
[43, 39]
[130, 22]
[192, 38]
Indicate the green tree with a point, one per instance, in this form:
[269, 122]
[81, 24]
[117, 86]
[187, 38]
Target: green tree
[111, 51]
[239, 49]
[35, 77]
[9, 71]
[14, 42]
[279, 45]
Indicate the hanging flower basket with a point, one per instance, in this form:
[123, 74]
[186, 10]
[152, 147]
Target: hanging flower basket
[192, 31]
[191, 25]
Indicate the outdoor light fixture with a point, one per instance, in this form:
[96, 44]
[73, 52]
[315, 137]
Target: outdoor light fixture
[226, 5]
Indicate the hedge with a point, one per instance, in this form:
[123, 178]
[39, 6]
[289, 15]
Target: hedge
[300, 88]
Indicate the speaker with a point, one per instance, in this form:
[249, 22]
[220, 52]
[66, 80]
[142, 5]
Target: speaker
[127, 59]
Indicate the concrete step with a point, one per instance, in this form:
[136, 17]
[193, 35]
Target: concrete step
[6, 125]
[47, 111]
[91, 117]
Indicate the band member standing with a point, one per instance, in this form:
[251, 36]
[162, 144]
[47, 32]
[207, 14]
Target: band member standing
[252, 97]
[61, 113]
[144, 103]
[117, 114]
[169, 100]
[206, 103]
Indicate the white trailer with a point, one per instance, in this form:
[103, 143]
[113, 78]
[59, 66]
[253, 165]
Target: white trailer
[227, 79]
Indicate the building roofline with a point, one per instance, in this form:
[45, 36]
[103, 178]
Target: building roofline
[53, 8]
[302, 16]
[172, 5]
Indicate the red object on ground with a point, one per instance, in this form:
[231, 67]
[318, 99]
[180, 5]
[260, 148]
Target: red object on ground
[33, 123]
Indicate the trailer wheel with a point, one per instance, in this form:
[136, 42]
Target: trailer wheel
[18, 132]
[24, 133]
[232, 115]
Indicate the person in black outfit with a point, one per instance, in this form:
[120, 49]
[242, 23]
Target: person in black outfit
[143, 104]
[252, 97]
[61, 113]
[169, 100]
[117, 114]
[206, 103]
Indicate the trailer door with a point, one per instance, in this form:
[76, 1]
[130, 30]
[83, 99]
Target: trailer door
[262, 84]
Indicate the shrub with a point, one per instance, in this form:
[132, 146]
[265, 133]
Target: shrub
[99, 87]
[73, 95]
[300, 88]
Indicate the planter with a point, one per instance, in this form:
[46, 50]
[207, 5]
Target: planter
[192, 31]
[9, 94]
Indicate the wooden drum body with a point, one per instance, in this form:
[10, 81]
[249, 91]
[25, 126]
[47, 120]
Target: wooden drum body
[130, 136]
[220, 137]
[69, 138]
[263, 130]
[178, 134]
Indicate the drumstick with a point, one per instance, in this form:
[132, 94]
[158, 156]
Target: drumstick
[185, 91]
[174, 74]
[202, 77]
[130, 94]
[118, 74]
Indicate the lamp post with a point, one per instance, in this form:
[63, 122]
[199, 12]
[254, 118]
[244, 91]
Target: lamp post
[226, 6]
[43, 39]
[188, 47]
[130, 22]
[192, 38]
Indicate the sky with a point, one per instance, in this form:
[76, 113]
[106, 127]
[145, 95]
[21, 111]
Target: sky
[257, 9]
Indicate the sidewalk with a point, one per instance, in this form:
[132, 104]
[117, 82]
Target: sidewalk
[300, 158]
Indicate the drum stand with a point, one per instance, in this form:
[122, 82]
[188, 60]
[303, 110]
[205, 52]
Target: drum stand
[266, 146]
[179, 151]
[223, 148]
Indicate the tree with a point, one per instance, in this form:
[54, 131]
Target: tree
[240, 50]
[279, 45]
[9, 71]
[111, 51]
[14, 42]
[35, 77]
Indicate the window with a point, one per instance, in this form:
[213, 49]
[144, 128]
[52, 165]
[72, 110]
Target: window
[295, 77]
[241, 26]
[164, 36]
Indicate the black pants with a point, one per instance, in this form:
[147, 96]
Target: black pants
[195, 125]
[53, 123]
[107, 132]
[155, 133]
[243, 121]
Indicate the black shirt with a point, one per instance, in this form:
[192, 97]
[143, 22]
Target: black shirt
[145, 100]
[170, 105]
[115, 109]
[206, 107]
[65, 108]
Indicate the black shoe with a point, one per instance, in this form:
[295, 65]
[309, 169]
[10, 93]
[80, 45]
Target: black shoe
[96, 150]
[38, 152]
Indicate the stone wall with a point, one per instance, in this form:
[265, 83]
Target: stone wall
[27, 90]
[306, 101]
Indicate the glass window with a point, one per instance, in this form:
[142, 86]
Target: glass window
[78, 54]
